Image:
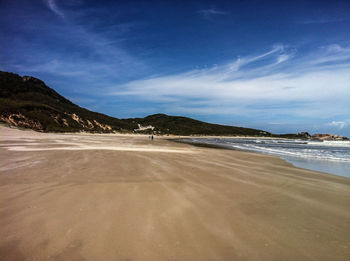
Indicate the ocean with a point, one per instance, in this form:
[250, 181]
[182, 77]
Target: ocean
[332, 157]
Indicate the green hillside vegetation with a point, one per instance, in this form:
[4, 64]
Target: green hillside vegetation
[186, 126]
[28, 102]
[39, 103]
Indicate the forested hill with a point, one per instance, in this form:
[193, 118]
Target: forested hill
[28, 102]
[178, 125]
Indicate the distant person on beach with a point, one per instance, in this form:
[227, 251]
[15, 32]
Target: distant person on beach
[152, 137]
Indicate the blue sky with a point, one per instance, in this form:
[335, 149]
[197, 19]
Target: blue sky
[281, 66]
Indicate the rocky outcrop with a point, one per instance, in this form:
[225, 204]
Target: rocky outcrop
[105, 127]
[19, 120]
[91, 125]
[32, 79]
[304, 135]
[319, 136]
[79, 120]
[65, 123]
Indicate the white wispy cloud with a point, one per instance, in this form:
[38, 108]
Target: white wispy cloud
[282, 58]
[339, 124]
[95, 54]
[333, 53]
[276, 82]
[54, 8]
[207, 13]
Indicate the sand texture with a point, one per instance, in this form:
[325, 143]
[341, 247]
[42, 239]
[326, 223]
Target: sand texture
[114, 197]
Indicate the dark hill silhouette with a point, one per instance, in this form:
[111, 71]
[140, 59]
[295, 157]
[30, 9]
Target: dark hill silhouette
[29, 102]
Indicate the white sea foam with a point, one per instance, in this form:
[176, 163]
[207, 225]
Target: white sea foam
[327, 156]
[332, 143]
[326, 150]
[305, 153]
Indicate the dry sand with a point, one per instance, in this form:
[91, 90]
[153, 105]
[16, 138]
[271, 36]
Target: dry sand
[112, 197]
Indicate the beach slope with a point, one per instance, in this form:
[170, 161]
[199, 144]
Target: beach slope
[120, 197]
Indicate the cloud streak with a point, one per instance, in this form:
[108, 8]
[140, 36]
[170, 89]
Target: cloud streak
[54, 8]
[94, 56]
[273, 83]
[211, 12]
[339, 124]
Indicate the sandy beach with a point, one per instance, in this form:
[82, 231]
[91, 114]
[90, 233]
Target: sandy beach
[125, 197]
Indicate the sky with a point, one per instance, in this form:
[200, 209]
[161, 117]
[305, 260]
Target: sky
[280, 66]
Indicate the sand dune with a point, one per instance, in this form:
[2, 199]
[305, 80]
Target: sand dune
[73, 197]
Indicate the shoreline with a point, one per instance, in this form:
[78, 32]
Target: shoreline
[134, 204]
[295, 161]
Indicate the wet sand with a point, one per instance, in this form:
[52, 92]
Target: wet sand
[117, 197]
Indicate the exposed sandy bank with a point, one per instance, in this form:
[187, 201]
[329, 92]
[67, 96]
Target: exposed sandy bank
[74, 197]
